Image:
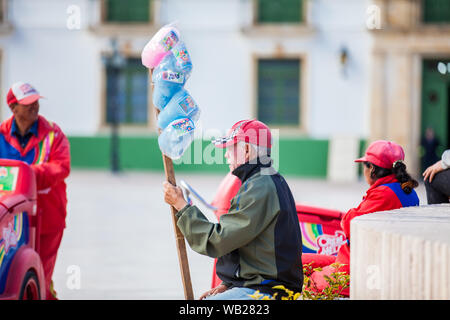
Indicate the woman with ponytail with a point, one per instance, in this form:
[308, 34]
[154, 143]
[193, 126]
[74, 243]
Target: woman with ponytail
[390, 187]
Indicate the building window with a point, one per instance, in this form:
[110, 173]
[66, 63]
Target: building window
[278, 94]
[131, 94]
[130, 11]
[280, 11]
[436, 11]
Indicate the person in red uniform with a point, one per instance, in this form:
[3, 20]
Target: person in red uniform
[391, 187]
[29, 137]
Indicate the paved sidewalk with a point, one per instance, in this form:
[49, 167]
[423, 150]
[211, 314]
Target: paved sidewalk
[120, 238]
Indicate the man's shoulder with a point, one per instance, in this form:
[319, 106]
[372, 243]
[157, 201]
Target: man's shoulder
[47, 125]
[260, 182]
[265, 176]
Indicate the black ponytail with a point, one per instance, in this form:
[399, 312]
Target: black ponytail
[399, 170]
[406, 181]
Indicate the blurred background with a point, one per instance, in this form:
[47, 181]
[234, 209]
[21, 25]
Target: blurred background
[324, 72]
[331, 76]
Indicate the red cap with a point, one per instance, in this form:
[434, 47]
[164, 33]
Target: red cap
[383, 154]
[251, 131]
[22, 93]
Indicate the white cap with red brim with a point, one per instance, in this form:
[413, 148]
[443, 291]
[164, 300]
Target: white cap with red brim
[22, 93]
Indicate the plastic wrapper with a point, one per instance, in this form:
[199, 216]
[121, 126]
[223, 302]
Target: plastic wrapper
[169, 58]
[160, 45]
[171, 75]
[176, 138]
[182, 105]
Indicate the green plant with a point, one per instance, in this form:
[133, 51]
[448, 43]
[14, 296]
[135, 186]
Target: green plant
[337, 282]
[287, 294]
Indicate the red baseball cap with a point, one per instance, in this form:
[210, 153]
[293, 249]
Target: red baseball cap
[22, 93]
[251, 131]
[383, 154]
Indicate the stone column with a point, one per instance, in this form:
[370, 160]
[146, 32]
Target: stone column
[401, 254]
[391, 114]
[378, 110]
[399, 102]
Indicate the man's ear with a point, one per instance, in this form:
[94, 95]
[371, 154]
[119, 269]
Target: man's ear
[372, 171]
[248, 150]
[12, 107]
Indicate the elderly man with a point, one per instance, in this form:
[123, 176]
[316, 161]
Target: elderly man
[31, 138]
[258, 242]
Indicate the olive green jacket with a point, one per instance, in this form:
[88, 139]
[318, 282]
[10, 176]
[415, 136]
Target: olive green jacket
[258, 242]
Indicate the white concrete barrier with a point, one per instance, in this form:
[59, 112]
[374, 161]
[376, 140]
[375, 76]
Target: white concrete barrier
[401, 254]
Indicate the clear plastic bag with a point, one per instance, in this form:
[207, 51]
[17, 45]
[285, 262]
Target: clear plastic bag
[182, 105]
[167, 54]
[176, 138]
[171, 75]
[160, 45]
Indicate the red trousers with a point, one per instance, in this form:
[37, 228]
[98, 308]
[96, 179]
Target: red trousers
[48, 249]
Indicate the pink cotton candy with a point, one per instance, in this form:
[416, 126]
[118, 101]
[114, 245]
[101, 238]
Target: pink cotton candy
[159, 46]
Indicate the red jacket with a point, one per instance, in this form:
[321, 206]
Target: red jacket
[49, 156]
[379, 197]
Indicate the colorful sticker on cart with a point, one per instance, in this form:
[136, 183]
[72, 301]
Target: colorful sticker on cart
[8, 178]
[330, 244]
[10, 237]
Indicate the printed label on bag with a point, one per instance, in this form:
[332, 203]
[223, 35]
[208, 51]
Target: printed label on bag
[185, 125]
[176, 77]
[187, 104]
[182, 56]
[169, 41]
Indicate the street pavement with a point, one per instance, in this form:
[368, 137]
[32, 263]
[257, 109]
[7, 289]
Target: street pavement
[119, 242]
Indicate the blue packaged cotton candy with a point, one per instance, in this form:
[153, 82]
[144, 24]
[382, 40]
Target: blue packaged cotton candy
[182, 58]
[178, 60]
[171, 75]
[176, 137]
[182, 105]
[166, 84]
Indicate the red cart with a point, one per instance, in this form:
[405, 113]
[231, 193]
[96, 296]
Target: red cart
[21, 271]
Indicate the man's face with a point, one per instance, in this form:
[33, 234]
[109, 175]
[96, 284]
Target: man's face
[26, 113]
[237, 155]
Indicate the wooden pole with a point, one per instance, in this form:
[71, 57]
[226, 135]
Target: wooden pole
[179, 238]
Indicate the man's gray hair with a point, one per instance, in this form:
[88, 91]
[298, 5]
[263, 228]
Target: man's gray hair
[259, 150]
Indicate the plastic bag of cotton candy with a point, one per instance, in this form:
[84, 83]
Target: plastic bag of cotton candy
[169, 58]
